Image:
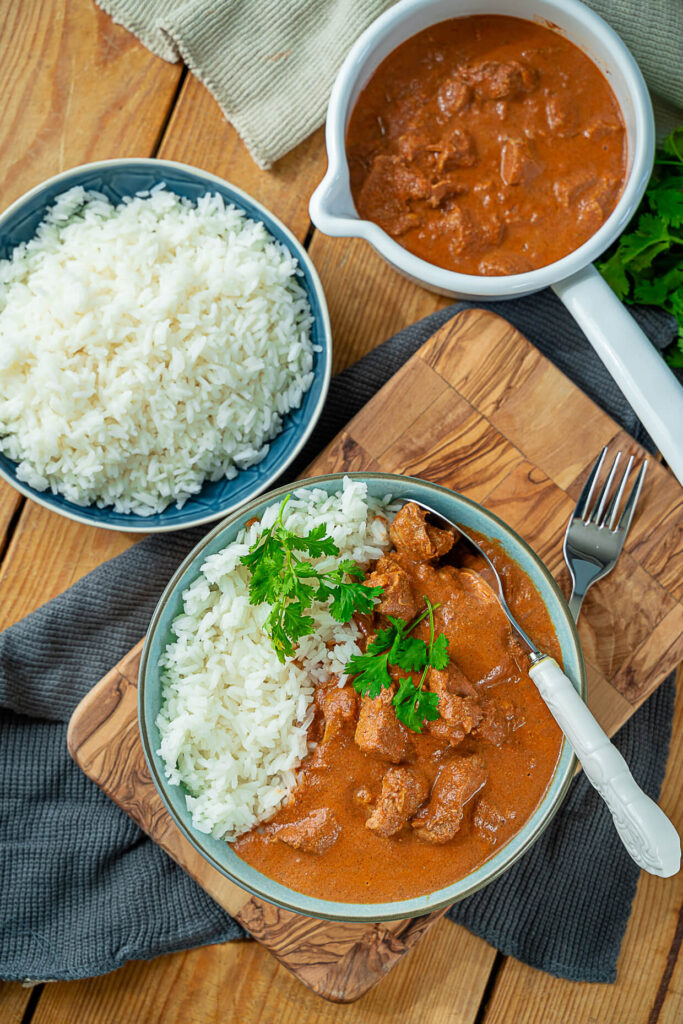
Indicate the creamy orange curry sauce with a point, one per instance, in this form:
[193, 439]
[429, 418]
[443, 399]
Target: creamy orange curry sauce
[487, 145]
[382, 813]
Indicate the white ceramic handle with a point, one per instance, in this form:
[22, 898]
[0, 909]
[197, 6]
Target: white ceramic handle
[640, 371]
[645, 830]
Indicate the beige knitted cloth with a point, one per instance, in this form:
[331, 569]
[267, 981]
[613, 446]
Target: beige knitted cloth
[271, 63]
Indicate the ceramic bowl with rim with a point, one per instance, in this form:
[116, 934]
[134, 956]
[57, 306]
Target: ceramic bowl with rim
[217, 852]
[124, 177]
[639, 370]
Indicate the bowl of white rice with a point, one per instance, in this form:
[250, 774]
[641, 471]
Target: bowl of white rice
[224, 722]
[165, 346]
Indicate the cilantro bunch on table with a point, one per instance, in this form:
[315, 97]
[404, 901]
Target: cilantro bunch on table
[291, 584]
[395, 646]
[645, 267]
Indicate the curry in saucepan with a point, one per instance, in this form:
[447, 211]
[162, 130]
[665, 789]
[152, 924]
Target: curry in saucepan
[383, 813]
[487, 145]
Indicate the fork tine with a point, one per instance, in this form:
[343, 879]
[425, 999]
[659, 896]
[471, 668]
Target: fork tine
[596, 514]
[613, 508]
[587, 492]
[632, 501]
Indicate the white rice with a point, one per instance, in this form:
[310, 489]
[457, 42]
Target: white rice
[233, 719]
[146, 347]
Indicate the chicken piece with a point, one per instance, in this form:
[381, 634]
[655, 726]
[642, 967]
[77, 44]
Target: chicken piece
[411, 534]
[453, 96]
[464, 233]
[518, 164]
[562, 115]
[458, 150]
[387, 189]
[457, 782]
[339, 705]
[459, 713]
[315, 833]
[567, 190]
[403, 790]
[450, 680]
[379, 731]
[445, 188]
[600, 129]
[414, 144]
[499, 264]
[397, 597]
[496, 80]
[499, 719]
[598, 201]
[488, 820]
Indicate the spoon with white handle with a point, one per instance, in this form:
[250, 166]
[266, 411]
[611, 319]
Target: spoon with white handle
[645, 830]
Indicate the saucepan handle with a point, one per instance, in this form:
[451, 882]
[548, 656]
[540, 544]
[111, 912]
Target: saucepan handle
[645, 830]
[647, 382]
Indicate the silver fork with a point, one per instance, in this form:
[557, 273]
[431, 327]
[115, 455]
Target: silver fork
[595, 537]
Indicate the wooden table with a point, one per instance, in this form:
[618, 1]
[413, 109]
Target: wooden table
[75, 88]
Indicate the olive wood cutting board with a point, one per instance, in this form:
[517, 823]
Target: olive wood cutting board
[480, 410]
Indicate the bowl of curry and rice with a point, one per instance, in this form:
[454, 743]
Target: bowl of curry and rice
[333, 713]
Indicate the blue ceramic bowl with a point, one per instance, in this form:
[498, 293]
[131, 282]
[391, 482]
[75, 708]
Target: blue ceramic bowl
[217, 852]
[119, 178]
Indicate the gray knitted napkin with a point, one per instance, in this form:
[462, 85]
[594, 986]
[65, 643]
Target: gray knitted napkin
[83, 890]
[271, 63]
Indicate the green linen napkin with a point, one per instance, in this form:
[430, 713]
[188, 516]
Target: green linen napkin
[271, 63]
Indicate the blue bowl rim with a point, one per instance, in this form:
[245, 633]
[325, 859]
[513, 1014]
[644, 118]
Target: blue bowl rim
[326, 339]
[368, 912]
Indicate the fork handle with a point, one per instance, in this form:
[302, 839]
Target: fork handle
[645, 830]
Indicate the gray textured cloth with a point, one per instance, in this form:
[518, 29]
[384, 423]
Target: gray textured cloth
[82, 889]
[271, 63]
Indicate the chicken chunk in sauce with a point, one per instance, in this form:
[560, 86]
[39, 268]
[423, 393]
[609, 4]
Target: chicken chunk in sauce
[403, 791]
[456, 784]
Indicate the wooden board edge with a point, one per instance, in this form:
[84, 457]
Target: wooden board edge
[98, 704]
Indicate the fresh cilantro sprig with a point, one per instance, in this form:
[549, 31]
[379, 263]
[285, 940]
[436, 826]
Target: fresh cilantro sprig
[395, 646]
[291, 584]
[645, 267]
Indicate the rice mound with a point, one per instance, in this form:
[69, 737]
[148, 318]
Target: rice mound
[233, 718]
[147, 347]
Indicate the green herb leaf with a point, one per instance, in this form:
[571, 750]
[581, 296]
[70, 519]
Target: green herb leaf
[438, 654]
[414, 706]
[646, 265]
[291, 584]
[371, 673]
[394, 646]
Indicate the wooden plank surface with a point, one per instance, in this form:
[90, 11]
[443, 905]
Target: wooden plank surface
[14, 1000]
[77, 87]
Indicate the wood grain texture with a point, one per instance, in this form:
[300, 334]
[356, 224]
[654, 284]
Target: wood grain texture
[199, 134]
[441, 982]
[13, 1002]
[75, 87]
[419, 424]
[368, 301]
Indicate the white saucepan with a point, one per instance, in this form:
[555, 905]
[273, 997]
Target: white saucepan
[638, 369]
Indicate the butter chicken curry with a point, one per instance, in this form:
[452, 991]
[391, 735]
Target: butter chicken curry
[383, 813]
[487, 145]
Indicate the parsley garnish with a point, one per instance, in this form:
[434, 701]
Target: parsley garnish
[291, 584]
[395, 646]
[645, 267]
